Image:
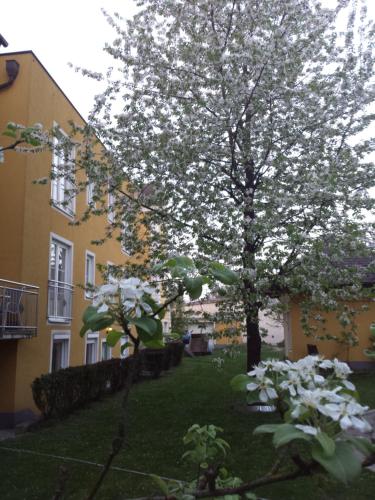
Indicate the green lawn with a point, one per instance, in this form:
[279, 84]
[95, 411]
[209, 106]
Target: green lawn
[160, 412]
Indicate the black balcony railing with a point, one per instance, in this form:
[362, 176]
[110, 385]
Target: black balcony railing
[60, 296]
[18, 310]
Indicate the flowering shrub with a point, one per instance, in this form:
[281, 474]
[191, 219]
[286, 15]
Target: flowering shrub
[317, 402]
[131, 302]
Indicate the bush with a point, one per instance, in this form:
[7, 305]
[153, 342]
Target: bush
[177, 350]
[61, 392]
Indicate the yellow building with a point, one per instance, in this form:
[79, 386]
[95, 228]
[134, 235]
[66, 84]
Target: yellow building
[296, 342]
[42, 257]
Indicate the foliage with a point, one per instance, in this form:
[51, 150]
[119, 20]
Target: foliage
[195, 393]
[371, 351]
[63, 391]
[316, 408]
[208, 448]
[130, 302]
[34, 136]
[239, 126]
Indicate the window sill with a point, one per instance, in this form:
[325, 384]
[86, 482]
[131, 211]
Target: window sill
[59, 320]
[63, 210]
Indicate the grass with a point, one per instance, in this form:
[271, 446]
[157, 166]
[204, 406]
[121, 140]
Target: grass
[160, 411]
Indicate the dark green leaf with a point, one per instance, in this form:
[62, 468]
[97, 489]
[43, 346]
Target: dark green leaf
[362, 444]
[239, 382]
[89, 311]
[286, 433]
[266, 428]
[145, 323]
[194, 286]
[343, 465]
[327, 443]
[125, 346]
[160, 483]
[113, 337]
[180, 261]
[154, 341]
[223, 274]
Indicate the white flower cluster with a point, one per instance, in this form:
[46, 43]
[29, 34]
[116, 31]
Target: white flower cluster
[130, 292]
[312, 400]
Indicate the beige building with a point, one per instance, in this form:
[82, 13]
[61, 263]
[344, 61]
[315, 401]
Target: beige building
[199, 324]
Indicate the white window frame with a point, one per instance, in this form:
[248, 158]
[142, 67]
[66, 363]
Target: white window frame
[90, 255]
[104, 341]
[124, 230]
[60, 335]
[61, 184]
[69, 271]
[90, 192]
[92, 338]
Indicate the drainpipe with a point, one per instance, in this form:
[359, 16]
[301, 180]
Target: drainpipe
[3, 42]
[12, 69]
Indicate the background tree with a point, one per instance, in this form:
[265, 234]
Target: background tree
[247, 119]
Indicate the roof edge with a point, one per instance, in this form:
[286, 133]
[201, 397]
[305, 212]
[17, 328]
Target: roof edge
[30, 52]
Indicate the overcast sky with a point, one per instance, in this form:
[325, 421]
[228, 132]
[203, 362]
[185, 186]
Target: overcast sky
[59, 32]
[75, 31]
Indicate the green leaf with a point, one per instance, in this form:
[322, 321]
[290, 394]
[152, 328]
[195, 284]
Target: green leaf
[89, 311]
[362, 444]
[327, 443]
[266, 429]
[160, 483]
[145, 323]
[194, 286]
[286, 433]
[343, 465]
[154, 343]
[125, 346]
[155, 340]
[372, 329]
[10, 133]
[239, 382]
[96, 322]
[252, 397]
[113, 337]
[223, 274]
[181, 261]
[155, 306]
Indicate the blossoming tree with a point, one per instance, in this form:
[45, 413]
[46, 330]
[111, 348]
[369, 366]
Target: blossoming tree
[239, 125]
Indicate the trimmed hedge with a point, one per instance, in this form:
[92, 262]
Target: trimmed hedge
[59, 393]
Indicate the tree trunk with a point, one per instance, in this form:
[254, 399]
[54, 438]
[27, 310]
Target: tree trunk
[253, 340]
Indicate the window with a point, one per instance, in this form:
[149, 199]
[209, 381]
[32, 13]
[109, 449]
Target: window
[60, 351]
[89, 274]
[165, 327]
[92, 344]
[106, 351]
[60, 287]
[90, 192]
[62, 184]
[124, 237]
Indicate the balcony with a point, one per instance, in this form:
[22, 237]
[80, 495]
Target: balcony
[60, 297]
[18, 310]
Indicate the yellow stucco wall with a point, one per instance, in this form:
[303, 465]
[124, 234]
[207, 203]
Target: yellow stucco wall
[296, 341]
[27, 221]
